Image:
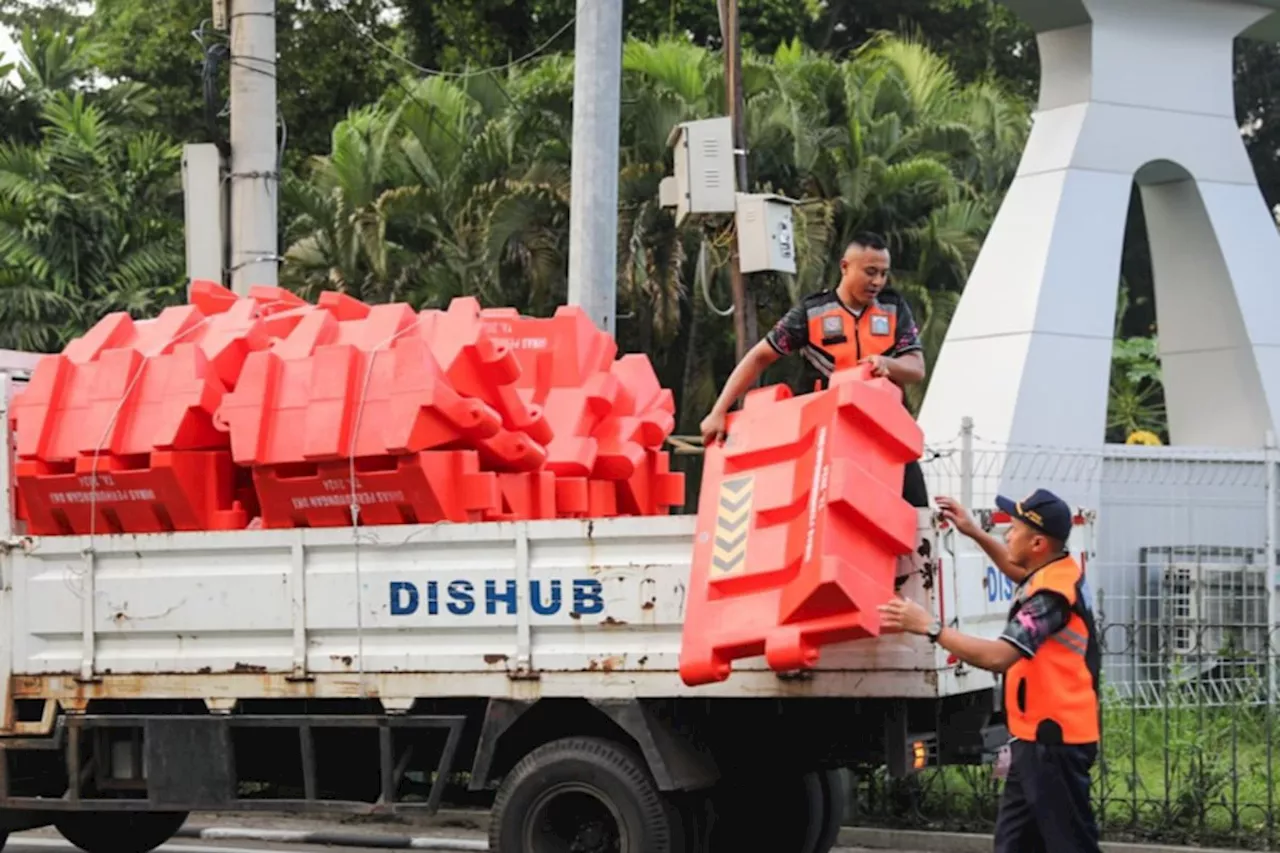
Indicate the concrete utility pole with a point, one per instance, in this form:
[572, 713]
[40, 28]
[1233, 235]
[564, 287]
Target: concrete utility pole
[255, 179]
[593, 205]
[745, 330]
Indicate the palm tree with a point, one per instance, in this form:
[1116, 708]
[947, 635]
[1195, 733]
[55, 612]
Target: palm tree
[90, 215]
[460, 186]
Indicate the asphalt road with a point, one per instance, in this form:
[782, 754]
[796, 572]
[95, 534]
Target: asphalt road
[30, 844]
[25, 843]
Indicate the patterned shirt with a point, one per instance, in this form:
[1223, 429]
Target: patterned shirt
[1043, 615]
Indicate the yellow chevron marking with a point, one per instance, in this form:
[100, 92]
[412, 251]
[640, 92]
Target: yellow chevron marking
[733, 523]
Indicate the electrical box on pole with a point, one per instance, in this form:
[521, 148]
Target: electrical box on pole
[204, 202]
[704, 168]
[766, 236]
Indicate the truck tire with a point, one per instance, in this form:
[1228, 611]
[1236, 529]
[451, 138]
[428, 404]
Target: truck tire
[4, 838]
[583, 794]
[835, 797]
[119, 832]
[793, 800]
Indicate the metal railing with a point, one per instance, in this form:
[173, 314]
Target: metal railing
[1183, 567]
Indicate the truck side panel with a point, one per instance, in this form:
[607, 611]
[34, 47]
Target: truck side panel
[587, 608]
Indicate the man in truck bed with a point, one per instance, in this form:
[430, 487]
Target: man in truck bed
[860, 321]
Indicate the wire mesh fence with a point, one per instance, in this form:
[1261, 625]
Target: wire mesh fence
[1179, 550]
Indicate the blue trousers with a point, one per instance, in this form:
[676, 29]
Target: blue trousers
[1045, 807]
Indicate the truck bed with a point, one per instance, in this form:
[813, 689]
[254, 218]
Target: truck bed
[522, 610]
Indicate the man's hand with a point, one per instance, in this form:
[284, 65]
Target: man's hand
[902, 614]
[879, 365]
[712, 428]
[958, 516]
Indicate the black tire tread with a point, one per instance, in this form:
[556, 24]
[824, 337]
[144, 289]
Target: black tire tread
[101, 832]
[606, 754]
[835, 794]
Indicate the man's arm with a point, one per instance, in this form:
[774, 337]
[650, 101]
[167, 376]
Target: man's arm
[903, 364]
[999, 555]
[905, 369]
[789, 335]
[992, 655]
[1043, 615]
[994, 548]
[753, 364]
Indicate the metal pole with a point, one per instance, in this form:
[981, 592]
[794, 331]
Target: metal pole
[1273, 572]
[255, 177]
[593, 204]
[745, 332]
[966, 462]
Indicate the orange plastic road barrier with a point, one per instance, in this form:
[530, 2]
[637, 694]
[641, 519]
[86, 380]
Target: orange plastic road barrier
[653, 489]
[457, 415]
[641, 418]
[125, 402]
[335, 388]
[563, 351]
[481, 367]
[129, 387]
[579, 497]
[420, 488]
[193, 490]
[800, 523]
[526, 496]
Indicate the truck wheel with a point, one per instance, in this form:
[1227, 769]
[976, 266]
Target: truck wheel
[588, 795]
[4, 837]
[835, 796]
[793, 800]
[119, 832]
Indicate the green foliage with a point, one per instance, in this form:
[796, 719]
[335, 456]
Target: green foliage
[397, 187]
[90, 213]
[453, 186]
[1184, 772]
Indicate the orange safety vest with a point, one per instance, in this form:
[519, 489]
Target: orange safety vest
[835, 332]
[1052, 697]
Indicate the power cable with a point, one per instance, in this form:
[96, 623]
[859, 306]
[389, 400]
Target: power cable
[436, 72]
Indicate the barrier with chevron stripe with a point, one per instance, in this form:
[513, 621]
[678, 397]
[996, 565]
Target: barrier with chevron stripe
[728, 556]
[800, 523]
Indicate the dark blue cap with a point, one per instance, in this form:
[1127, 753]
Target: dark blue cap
[1043, 510]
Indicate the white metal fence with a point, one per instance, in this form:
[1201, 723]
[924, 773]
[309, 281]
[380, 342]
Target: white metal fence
[1180, 556]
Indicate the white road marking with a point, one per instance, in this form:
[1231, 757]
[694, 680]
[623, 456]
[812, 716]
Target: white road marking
[59, 844]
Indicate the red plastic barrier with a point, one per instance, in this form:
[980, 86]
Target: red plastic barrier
[479, 366]
[129, 388]
[457, 415]
[653, 489]
[563, 351]
[526, 496]
[420, 488]
[800, 523]
[334, 388]
[194, 490]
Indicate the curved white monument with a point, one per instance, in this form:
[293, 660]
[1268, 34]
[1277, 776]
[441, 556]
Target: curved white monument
[1130, 89]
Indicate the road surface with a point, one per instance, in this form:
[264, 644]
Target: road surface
[44, 843]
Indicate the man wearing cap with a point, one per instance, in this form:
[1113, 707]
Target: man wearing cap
[1050, 659]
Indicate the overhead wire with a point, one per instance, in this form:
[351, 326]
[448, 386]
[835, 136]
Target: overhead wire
[436, 72]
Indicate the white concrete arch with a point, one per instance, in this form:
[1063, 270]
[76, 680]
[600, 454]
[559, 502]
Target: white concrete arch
[1130, 90]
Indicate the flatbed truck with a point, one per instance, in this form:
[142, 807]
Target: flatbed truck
[367, 669]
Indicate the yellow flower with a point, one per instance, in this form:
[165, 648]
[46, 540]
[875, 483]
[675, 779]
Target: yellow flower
[1142, 436]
